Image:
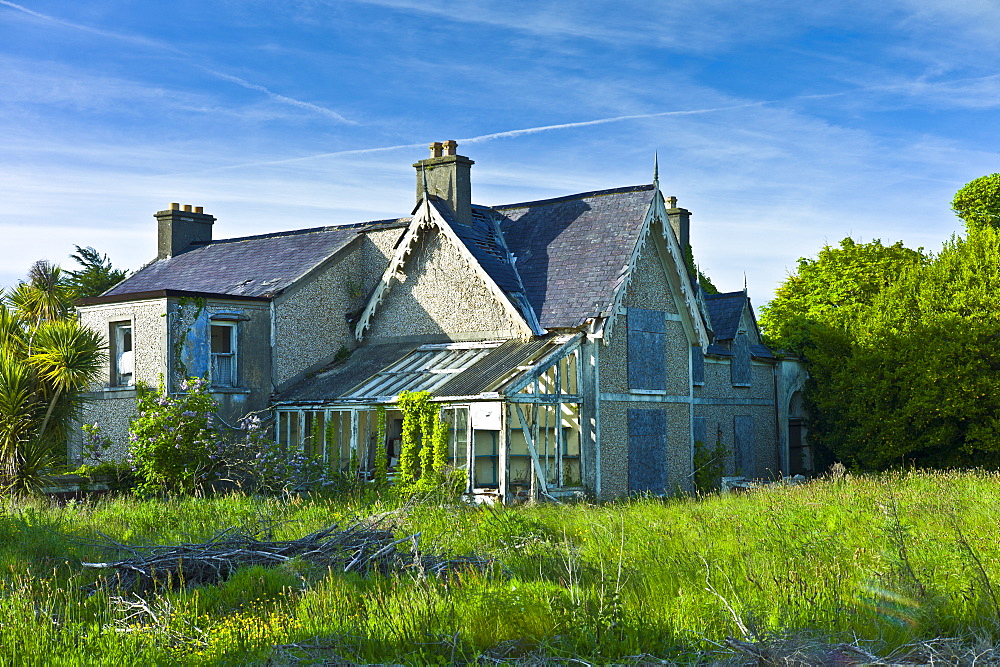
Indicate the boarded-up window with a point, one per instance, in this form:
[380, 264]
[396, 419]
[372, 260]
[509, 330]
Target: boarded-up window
[739, 365]
[647, 450]
[697, 365]
[744, 442]
[647, 342]
[700, 430]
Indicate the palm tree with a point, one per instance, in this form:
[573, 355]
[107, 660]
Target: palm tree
[67, 358]
[46, 361]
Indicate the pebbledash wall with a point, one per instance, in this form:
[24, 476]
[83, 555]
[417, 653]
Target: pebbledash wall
[311, 319]
[720, 403]
[189, 353]
[431, 300]
[650, 290]
[166, 331]
[111, 407]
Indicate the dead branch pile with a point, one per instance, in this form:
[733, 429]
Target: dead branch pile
[364, 547]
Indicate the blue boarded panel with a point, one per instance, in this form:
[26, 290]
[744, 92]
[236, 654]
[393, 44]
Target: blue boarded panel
[746, 459]
[647, 344]
[697, 365]
[640, 319]
[739, 365]
[700, 430]
[647, 361]
[647, 450]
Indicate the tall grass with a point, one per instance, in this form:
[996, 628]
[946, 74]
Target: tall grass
[891, 559]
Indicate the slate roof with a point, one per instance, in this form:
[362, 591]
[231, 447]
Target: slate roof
[725, 311]
[571, 252]
[563, 257]
[483, 240]
[253, 266]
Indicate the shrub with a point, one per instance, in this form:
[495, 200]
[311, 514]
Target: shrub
[175, 445]
[709, 464]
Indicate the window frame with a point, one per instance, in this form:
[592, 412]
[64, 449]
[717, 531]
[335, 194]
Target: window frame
[233, 354]
[116, 338]
[646, 350]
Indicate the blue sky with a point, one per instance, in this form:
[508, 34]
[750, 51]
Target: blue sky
[781, 125]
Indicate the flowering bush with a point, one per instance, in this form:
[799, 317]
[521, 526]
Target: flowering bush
[95, 447]
[175, 446]
[263, 465]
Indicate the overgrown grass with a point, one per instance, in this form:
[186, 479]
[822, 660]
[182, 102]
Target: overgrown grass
[891, 559]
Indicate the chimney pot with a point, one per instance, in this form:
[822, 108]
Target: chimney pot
[447, 177]
[177, 229]
[451, 147]
[671, 202]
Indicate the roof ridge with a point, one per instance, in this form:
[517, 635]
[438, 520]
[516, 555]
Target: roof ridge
[581, 195]
[310, 230]
[724, 294]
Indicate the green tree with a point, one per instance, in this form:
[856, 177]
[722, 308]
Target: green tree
[929, 391]
[833, 290]
[978, 203]
[95, 275]
[820, 313]
[903, 349]
[46, 361]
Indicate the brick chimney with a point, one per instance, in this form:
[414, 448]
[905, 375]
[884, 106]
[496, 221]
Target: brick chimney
[449, 177]
[177, 229]
[680, 221]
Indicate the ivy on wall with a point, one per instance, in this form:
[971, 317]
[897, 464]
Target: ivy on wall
[424, 449]
[381, 457]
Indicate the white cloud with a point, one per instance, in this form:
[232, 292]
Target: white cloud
[182, 56]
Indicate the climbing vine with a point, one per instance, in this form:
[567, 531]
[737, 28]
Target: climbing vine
[381, 458]
[424, 450]
[181, 332]
[412, 405]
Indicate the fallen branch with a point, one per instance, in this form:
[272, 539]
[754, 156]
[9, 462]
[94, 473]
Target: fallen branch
[363, 547]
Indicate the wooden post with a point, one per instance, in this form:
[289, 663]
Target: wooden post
[528, 437]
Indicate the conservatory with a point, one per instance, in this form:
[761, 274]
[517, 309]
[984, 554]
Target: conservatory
[512, 410]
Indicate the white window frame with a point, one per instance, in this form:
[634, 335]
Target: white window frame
[233, 380]
[118, 359]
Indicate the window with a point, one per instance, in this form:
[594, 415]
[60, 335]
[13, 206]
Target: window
[739, 365]
[223, 354]
[122, 358]
[697, 365]
[457, 419]
[647, 342]
[745, 454]
[647, 450]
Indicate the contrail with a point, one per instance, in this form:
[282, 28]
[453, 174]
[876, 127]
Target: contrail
[600, 121]
[315, 108]
[95, 31]
[281, 98]
[494, 135]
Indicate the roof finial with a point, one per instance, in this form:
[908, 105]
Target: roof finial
[656, 171]
[744, 283]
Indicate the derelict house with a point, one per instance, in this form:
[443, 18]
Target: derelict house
[566, 340]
